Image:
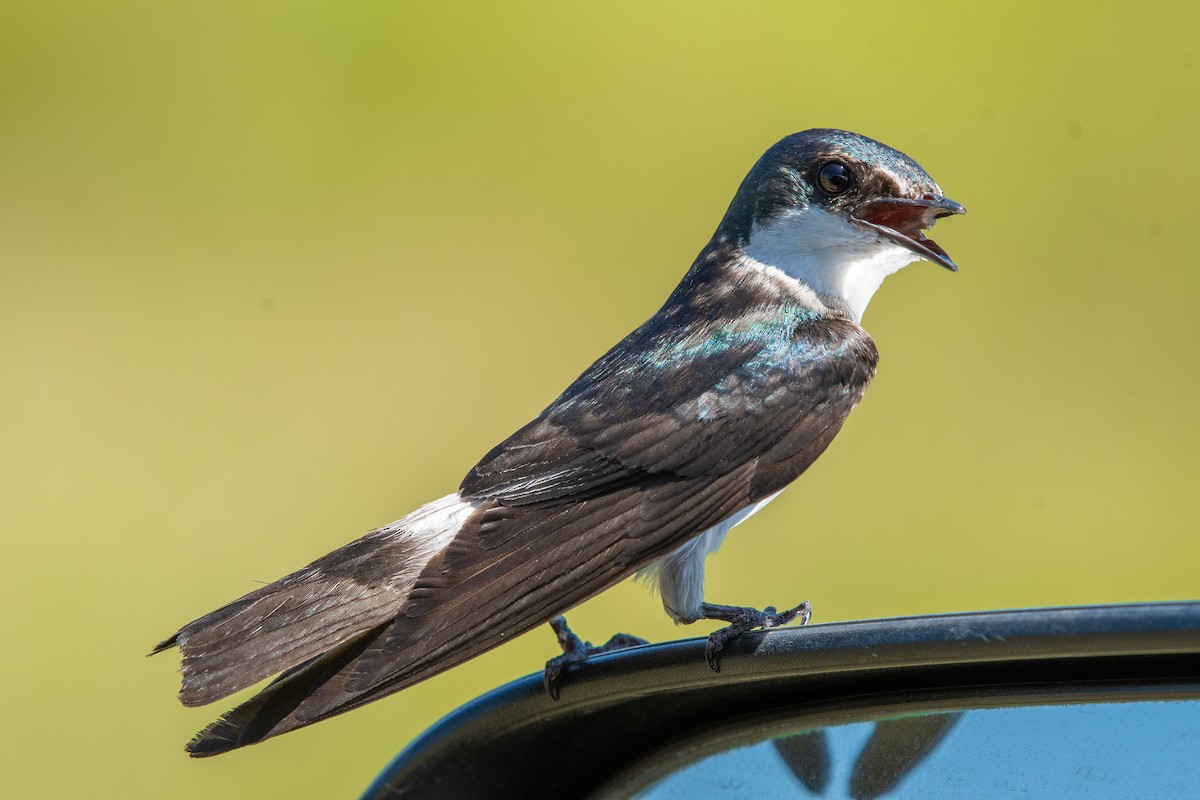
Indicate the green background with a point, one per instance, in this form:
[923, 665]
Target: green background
[273, 274]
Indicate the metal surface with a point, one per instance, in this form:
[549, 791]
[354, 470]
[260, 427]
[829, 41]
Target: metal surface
[623, 711]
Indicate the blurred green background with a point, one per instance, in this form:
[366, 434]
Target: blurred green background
[273, 274]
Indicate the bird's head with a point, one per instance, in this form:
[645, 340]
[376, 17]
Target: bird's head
[837, 212]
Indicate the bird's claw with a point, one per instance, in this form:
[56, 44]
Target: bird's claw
[575, 651]
[742, 620]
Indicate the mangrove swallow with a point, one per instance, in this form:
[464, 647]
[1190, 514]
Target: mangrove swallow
[685, 428]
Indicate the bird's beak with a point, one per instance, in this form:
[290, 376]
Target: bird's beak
[903, 220]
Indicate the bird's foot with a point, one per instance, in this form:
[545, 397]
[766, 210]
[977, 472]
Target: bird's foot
[575, 650]
[745, 619]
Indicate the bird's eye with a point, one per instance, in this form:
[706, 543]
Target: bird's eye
[835, 178]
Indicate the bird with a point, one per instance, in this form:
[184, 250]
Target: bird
[685, 428]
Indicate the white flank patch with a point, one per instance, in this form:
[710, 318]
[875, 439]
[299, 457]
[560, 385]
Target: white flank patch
[430, 529]
[828, 253]
[679, 577]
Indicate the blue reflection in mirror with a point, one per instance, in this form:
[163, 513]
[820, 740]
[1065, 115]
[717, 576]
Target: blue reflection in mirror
[1109, 751]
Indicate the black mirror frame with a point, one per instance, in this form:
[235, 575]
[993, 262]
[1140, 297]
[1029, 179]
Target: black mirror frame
[628, 715]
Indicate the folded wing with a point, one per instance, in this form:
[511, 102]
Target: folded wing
[671, 432]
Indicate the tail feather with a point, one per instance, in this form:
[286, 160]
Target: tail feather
[332, 601]
[272, 711]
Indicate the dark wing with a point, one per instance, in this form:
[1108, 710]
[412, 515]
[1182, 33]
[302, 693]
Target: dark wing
[670, 433]
[691, 403]
[637, 457]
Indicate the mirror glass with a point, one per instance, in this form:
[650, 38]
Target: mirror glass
[1107, 750]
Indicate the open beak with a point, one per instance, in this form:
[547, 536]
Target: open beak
[904, 220]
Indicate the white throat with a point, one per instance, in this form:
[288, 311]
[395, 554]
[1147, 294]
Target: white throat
[829, 254]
